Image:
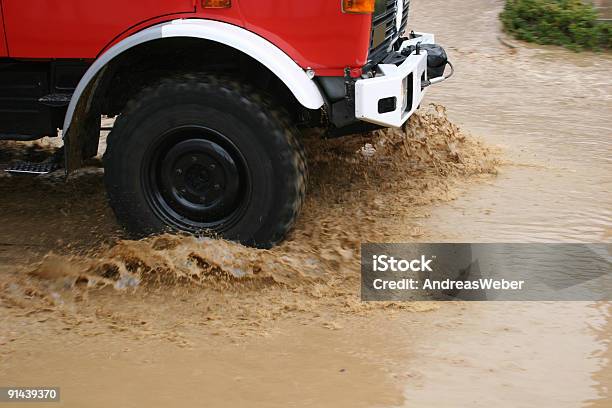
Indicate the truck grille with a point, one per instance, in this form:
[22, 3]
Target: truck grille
[384, 28]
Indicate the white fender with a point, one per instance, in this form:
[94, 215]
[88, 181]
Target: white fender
[295, 78]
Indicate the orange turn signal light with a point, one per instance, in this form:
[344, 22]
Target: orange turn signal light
[216, 3]
[358, 6]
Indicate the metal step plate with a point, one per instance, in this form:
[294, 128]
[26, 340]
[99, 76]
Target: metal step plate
[22, 167]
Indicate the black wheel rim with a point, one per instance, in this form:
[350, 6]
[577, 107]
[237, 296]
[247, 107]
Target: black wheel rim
[196, 179]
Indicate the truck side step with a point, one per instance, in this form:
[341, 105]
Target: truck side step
[23, 167]
[56, 100]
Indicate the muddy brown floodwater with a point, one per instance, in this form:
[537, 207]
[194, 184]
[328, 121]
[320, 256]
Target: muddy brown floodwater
[551, 111]
[182, 321]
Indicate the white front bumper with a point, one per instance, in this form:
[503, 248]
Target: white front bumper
[392, 81]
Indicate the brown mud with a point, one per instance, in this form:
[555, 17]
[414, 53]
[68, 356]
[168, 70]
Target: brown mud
[184, 321]
[357, 184]
[142, 301]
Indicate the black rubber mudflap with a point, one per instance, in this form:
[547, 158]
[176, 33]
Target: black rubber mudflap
[23, 167]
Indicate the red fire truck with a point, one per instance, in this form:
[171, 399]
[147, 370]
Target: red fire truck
[209, 97]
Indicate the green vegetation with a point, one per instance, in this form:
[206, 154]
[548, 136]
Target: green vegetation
[570, 23]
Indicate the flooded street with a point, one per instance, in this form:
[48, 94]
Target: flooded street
[550, 109]
[184, 322]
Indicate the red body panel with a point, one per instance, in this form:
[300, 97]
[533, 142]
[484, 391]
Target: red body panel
[76, 28]
[314, 33]
[3, 49]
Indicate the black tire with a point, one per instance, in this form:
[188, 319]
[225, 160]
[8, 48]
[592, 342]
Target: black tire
[205, 155]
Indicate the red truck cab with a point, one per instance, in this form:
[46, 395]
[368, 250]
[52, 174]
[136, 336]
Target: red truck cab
[209, 97]
[326, 38]
[3, 48]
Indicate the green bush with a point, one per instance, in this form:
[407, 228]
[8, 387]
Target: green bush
[570, 23]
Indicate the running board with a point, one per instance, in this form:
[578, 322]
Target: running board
[23, 167]
[57, 100]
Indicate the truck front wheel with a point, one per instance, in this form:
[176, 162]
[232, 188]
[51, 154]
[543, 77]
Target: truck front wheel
[205, 155]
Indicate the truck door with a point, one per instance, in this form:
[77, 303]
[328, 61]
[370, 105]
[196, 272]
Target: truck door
[3, 51]
[76, 28]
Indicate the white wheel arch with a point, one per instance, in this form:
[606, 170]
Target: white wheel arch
[295, 78]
